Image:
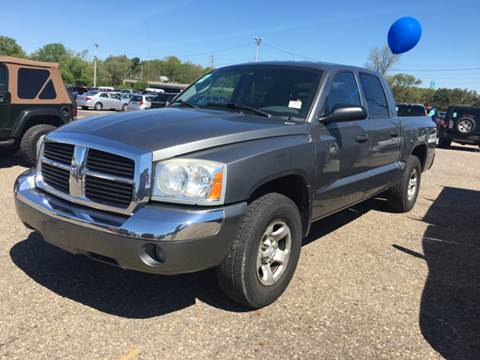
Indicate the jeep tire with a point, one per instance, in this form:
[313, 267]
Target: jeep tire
[28, 144]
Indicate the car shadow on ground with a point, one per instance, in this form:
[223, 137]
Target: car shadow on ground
[9, 159]
[450, 304]
[463, 148]
[133, 294]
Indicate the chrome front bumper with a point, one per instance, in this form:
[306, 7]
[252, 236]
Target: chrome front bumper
[155, 238]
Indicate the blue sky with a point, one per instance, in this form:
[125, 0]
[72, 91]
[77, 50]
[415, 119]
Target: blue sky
[334, 31]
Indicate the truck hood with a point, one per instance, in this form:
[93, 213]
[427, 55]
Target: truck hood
[174, 131]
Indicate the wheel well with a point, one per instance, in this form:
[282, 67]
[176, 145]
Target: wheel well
[421, 152]
[41, 120]
[293, 187]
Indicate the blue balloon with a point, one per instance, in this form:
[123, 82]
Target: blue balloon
[404, 34]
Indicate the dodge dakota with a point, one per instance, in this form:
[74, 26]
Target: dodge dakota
[230, 175]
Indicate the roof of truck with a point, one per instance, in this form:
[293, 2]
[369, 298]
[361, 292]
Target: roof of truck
[308, 64]
[27, 62]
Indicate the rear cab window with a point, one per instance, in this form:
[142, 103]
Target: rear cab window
[410, 110]
[375, 95]
[137, 98]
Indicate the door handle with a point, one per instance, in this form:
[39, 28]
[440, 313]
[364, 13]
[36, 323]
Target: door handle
[362, 138]
[395, 133]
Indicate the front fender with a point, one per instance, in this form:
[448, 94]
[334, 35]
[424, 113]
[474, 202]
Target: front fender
[25, 116]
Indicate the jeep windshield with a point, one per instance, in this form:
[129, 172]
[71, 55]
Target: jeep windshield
[280, 91]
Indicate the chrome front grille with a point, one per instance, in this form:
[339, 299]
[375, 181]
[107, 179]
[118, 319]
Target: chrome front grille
[94, 177]
[108, 192]
[62, 153]
[110, 164]
[56, 177]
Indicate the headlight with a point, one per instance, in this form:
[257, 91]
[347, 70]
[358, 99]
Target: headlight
[190, 181]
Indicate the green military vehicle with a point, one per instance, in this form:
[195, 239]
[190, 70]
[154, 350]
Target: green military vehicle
[33, 102]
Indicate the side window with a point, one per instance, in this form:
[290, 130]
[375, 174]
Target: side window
[30, 82]
[3, 79]
[375, 96]
[343, 91]
[48, 92]
[104, 95]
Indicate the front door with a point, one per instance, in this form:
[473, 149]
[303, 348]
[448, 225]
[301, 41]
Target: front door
[342, 151]
[4, 101]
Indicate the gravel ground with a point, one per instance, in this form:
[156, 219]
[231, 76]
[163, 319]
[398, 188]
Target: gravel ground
[370, 284]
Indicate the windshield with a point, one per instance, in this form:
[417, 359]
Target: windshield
[277, 90]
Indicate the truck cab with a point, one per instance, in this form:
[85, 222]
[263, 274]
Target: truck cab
[33, 102]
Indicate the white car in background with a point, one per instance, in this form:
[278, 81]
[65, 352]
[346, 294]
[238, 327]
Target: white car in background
[102, 101]
[140, 102]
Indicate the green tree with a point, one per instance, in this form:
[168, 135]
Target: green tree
[135, 67]
[54, 52]
[404, 87]
[118, 68]
[9, 46]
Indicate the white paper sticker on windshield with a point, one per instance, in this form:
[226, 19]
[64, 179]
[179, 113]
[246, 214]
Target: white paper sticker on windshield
[454, 114]
[295, 104]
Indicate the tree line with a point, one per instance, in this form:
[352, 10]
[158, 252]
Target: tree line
[76, 69]
[406, 88]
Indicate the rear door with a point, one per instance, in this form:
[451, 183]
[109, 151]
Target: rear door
[342, 151]
[115, 101]
[4, 99]
[384, 132]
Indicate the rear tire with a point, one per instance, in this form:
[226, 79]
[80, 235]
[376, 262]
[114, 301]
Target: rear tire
[402, 197]
[28, 144]
[264, 253]
[444, 143]
[466, 125]
[98, 106]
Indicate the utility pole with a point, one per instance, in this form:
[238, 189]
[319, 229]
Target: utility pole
[95, 64]
[258, 41]
[212, 61]
[141, 71]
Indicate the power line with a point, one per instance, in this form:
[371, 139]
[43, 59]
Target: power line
[439, 70]
[288, 52]
[217, 51]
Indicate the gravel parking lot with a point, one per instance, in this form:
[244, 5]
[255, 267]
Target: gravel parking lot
[370, 284]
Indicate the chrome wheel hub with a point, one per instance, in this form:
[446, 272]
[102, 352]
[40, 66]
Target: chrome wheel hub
[412, 185]
[464, 126]
[273, 252]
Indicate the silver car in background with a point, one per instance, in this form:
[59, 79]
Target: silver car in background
[140, 102]
[102, 101]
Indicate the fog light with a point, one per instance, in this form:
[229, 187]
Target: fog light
[160, 254]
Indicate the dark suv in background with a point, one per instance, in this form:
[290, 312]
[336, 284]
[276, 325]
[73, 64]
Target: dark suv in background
[461, 125]
[33, 102]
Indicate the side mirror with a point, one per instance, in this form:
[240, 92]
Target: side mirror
[346, 113]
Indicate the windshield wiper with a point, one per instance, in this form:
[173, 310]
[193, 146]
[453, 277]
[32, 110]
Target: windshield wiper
[183, 102]
[233, 106]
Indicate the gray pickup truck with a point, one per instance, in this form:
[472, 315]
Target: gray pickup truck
[231, 175]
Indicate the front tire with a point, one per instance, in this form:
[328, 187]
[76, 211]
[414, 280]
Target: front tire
[264, 253]
[28, 144]
[402, 197]
[124, 107]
